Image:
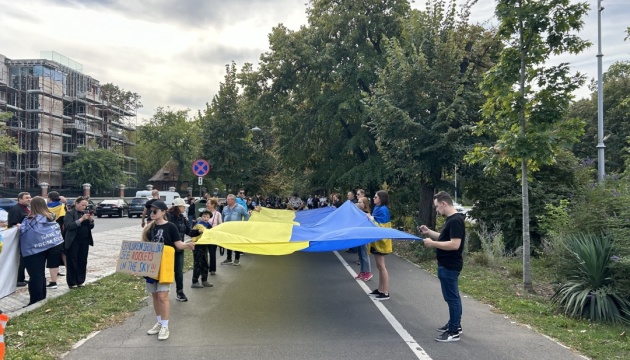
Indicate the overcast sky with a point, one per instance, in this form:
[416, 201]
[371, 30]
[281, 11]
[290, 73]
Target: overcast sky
[173, 53]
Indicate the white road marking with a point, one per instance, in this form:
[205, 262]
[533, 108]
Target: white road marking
[404, 334]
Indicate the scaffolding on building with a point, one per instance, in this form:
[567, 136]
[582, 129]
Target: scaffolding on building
[57, 109]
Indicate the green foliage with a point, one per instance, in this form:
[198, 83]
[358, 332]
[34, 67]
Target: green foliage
[616, 82]
[426, 97]
[117, 97]
[589, 292]
[526, 102]
[313, 80]
[101, 168]
[174, 135]
[8, 144]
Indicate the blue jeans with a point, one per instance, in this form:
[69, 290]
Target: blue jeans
[364, 258]
[179, 268]
[191, 220]
[450, 292]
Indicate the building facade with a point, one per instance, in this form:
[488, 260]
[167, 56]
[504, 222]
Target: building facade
[55, 110]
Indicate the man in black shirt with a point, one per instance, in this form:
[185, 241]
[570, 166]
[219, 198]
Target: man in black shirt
[449, 246]
[16, 214]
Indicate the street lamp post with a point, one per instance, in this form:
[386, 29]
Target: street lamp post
[600, 98]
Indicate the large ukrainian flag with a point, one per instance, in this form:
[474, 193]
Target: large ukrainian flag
[281, 232]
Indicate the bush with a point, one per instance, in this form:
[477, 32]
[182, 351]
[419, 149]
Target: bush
[492, 245]
[589, 291]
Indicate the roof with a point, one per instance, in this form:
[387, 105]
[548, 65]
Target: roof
[168, 172]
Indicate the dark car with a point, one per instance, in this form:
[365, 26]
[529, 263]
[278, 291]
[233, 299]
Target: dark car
[70, 204]
[112, 207]
[136, 206]
[6, 203]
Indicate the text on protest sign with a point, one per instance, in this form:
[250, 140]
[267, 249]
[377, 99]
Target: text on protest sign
[140, 258]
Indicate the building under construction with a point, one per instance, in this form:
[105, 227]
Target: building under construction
[57, 109]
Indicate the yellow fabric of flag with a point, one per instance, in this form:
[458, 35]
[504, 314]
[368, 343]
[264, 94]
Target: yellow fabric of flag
[246, 236]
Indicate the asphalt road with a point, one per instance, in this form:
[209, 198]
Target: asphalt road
[308, 306]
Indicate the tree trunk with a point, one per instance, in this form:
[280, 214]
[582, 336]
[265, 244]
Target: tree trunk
[527, 271]
[426, 212]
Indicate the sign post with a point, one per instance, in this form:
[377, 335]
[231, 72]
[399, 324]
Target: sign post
[200, 168]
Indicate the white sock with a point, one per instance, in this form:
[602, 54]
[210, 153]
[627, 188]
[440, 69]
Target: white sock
[159, 318]
[164, 323]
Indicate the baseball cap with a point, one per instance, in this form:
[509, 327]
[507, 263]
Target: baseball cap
[179, 202]
[4, 216]
[159, 204]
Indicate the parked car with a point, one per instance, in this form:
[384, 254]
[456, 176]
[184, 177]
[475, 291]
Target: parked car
[136, 206]
[6, 203]
[112, 207]
[70, 204]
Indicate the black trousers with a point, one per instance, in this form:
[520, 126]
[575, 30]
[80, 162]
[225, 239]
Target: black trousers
[21, 270]
[36, 267]
[213, 258]
[200, 267]
[179, 270]
[76, 259]
[237, 255]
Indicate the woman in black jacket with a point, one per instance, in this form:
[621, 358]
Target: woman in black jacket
[176, 216]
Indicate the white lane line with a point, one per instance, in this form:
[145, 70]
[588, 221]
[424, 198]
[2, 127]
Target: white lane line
[404, 334]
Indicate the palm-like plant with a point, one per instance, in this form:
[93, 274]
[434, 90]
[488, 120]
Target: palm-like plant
[589, 291]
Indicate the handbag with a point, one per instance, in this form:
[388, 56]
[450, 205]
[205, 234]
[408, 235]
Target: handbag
[36, 236]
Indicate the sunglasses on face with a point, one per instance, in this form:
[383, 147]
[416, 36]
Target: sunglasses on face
[155, 211]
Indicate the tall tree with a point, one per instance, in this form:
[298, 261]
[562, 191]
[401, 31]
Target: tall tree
[176, 135]
[315, 78]
[527, 101]
[228, 142]
[427, 98]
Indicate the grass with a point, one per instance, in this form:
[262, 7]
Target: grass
[50, 330]
[501, 287]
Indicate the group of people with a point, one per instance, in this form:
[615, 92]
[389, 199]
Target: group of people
[50, 236]
[170, 226]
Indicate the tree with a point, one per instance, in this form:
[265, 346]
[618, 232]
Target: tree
[616, 112]
[99, 167]
[527, 101]
[426, 98]
[8, 144]
[227, 139]
[176, 135]
[314, 79]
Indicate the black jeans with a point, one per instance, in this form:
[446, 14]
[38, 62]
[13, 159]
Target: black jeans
[21, 270]
[76, 259]
[201, 263]
[179, 268]
[36, 267]
[237, 255]
[213, 258]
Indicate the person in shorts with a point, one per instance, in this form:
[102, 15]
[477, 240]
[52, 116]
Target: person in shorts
[162, 231]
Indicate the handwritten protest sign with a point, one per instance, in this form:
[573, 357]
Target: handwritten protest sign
[140, 258]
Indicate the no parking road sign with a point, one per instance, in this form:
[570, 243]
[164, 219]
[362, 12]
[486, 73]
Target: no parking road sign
[200, 167]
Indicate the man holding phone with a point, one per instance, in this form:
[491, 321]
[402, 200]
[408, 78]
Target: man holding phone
[78, 224]
[449, 246]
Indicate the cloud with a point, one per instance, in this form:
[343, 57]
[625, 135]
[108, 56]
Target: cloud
[193, 13]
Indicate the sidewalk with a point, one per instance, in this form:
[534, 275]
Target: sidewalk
[101, 262]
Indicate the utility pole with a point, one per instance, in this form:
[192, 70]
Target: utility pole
[600, 98]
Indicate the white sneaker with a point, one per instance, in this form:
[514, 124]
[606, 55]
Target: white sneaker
[164, 333]
[155, 329]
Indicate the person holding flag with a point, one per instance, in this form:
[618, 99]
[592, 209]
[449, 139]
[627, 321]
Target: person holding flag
[57, 206]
